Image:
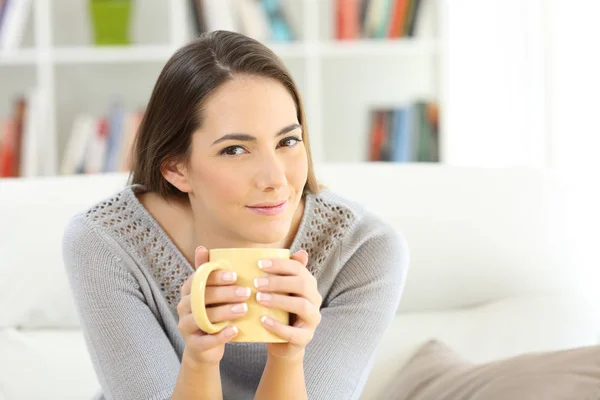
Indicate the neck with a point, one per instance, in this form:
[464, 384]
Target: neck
[212, 239]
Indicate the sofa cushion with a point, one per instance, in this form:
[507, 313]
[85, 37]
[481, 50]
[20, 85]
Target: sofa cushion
[45, 364]
[34, 292]
[475, 234]
[487, 332]
[437, 372]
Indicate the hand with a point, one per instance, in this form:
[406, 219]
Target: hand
[304, 301]
[200, 347]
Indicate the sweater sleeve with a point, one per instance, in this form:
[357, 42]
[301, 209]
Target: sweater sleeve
[131, 355]
[356, 313]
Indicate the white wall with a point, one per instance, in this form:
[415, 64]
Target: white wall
[573, 110]
[493, 83]
[574, 84]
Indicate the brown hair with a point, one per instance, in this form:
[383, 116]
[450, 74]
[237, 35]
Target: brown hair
[174, 111]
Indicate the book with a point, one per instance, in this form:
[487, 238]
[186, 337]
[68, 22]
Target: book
[3, 7]
[375, 15]
[14, 19]
[280, 30]
[30, 148]
[292, 12]
[411, 21]
[96, 151]
[408, 133]
[220, 14]
[347, 19]
[7, 151]
[253, 20]
[114, 140]
[198, 17]
[376, 136]
[398, 19]
[133, 123]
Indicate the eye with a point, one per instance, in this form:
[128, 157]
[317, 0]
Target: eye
[232, 151]
[289, 142]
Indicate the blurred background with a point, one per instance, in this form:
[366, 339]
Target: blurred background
[485, 83]
[487, 93]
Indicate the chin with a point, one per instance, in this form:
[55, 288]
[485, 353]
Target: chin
[270, 233]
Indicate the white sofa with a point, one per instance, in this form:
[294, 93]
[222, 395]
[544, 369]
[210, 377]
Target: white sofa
[496, 269]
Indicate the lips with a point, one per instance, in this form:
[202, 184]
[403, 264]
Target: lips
[267, 205]
[268, 208]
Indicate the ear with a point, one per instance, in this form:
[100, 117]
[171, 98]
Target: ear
[177, 174]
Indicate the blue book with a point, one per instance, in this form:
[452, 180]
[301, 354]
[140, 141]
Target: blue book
[382, 29]
[280, 29]
[116, 124]
[408, 132]
[402, 129]
[397, 142]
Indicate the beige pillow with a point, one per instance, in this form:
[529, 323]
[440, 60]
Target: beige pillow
[436, 372]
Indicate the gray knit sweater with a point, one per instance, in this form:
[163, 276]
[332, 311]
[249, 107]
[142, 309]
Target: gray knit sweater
[125, 274]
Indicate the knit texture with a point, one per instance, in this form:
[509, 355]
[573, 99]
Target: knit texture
[125, 275]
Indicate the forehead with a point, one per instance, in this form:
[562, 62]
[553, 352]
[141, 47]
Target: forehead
[247, 103]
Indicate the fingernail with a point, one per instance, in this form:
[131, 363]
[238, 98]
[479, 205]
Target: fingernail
[262, 264]
[240, 308]
[229, 276]
[200, 247]
[263, 297]
[259, 282]
[243, 292]
[231, 331]
[266, 320]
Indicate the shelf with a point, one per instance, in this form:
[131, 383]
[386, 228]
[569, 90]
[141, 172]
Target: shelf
[382, 47]
[111, 54]
[158, 53]
[289, 50]
[18, 57]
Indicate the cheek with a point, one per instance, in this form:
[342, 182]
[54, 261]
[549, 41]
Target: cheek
[226, 186]
[298, 170]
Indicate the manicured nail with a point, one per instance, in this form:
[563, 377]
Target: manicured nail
[243, 292]
[240, 308]
[260, 282]
[229, 276]
[263, 297]
[262, 264]
[231, 331]
[267, 321]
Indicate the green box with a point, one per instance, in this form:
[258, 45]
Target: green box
[111, 21]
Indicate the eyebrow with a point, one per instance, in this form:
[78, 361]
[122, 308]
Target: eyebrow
[247, 138]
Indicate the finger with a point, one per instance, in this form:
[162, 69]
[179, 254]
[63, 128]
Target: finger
[200, 256]
[184, 307]
[283, 284]
[300, 256]
[206, 342]
[187, 325]
[294, 335]
[226, 294]
[226, 312]
[282, 266]
[187, 285]
[221, 277]
[300, 306]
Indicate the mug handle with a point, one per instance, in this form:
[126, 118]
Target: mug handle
[198, 299]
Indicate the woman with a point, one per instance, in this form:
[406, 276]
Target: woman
[222, 159]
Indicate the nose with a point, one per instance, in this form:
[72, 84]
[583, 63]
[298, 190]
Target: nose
[270, 173]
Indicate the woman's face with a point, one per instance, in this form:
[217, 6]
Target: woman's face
[248, 164]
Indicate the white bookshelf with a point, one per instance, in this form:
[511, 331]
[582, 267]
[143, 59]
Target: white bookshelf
[339, 81]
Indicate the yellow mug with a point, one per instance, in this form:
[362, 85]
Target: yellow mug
[243, 261]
